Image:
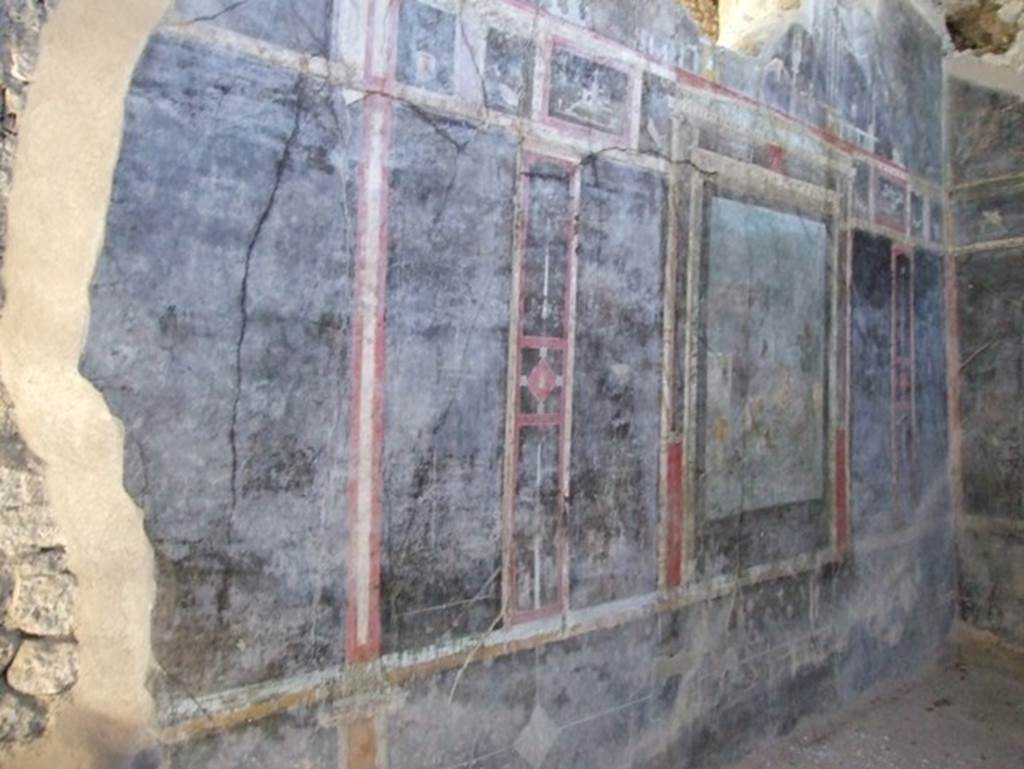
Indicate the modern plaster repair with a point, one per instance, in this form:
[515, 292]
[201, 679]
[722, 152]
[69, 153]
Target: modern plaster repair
[68, 138]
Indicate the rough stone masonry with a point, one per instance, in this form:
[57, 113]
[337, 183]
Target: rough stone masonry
[37, 643]
[525, 384]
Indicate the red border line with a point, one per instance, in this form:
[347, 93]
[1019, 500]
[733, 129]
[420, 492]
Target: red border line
[376, 107]
[553, 419]
[539, 342]
[841, 498]
[675, 510]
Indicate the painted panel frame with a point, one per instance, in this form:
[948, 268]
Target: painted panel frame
[532, 382]
[822, 524]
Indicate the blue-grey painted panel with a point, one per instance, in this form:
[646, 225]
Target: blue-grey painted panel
[301, 25]
[765, 358]
[220, 331]
[617, 384]
[449, 284]
[871, 450]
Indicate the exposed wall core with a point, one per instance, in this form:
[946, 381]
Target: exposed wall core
[38, 655]
[68, 141]
[745, 25]
[990, 29]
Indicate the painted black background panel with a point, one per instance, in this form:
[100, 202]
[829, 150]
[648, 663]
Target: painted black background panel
[890, 201]
[303, 26]
[860, 203]
[988, 211]
[871, 382]
[936, 223]
[448, 286]
[752, 538]
[903, 376]
[681, 351]
[548, 231]
[617, 383]
[661, 29]
[908, 87]
[220, 332]
[535, 534]
[985, 132]
[990, 287]
[931, 440]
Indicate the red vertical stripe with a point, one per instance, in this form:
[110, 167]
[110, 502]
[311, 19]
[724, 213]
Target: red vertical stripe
[370, 649]
[842, 508]
[674, 514]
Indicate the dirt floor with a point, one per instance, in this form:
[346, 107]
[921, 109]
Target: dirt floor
[966, 713]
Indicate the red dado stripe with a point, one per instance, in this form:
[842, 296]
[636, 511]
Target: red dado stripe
[842, 513]
[674, 512]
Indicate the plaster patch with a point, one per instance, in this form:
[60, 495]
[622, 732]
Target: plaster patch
[68, 141]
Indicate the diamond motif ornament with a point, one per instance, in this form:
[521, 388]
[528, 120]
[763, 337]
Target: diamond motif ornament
[541, 381]
[534, 743]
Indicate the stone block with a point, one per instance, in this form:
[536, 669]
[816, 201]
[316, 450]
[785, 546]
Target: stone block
[20, 718]
[42, 603]
[27, 528]
[8, 647]
[19, 487]
[43, 668]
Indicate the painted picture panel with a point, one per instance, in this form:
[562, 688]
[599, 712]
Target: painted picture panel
[587, 92]
[765, 358]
